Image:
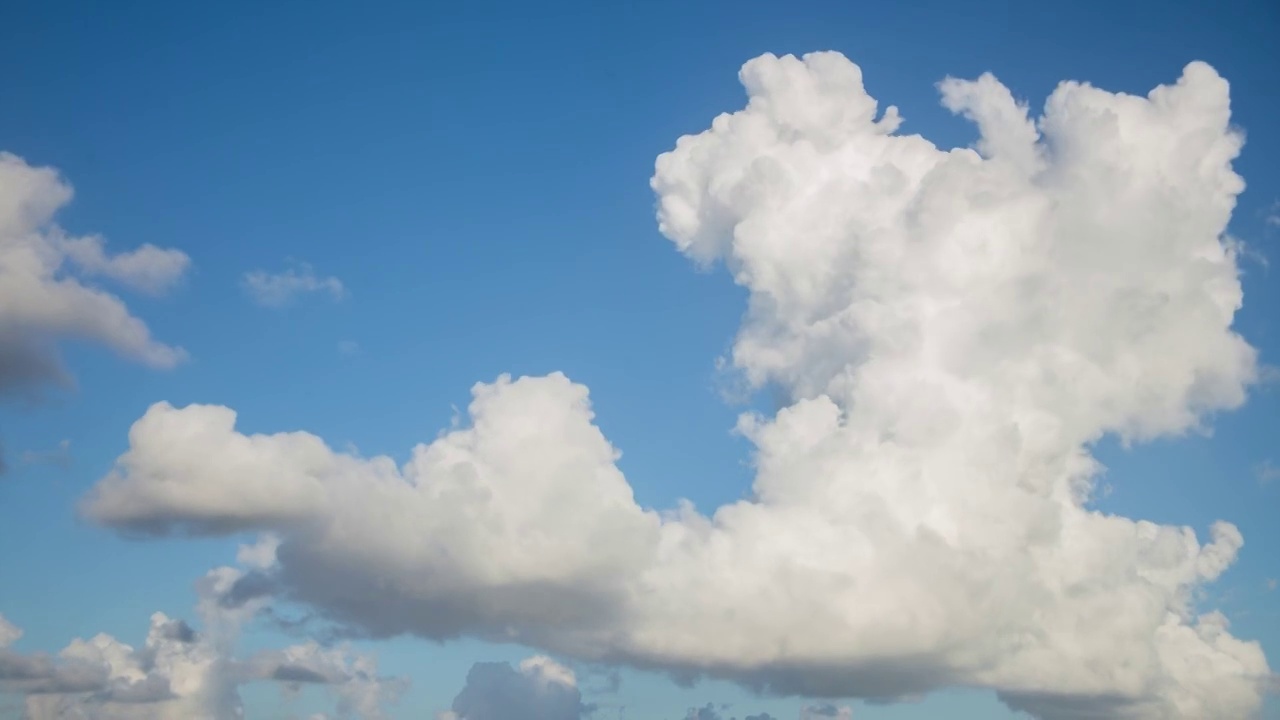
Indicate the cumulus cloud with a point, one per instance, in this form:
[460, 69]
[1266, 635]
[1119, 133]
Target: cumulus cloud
[276, 290]
[44, 293]
[148, 269]
[180, 674]
[539, 689]
[953, 329]
[360, 691]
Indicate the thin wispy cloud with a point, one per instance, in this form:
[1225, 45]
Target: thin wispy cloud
[1266, 472]
[277, 290]
[59, 457]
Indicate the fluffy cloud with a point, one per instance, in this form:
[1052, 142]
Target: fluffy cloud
[954, 329]
[179, 674]
[148, 269]
[277, 290]
[43, 291]
[539, 689]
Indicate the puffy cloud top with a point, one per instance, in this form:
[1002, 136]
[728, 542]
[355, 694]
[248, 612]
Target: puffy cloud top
[954, 327]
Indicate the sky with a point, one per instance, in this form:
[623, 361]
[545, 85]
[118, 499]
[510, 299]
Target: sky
[639, 360]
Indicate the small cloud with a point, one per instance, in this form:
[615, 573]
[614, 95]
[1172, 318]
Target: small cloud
[348, 348]
[147, 269]
[538, 687]
[1266, 472]
[1273, 214]
[826, 710]
[59, 457]
[1271, 584]
[707, 712]
[1244, 251]
[277, 290]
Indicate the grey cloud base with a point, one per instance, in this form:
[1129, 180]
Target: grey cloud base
[954, 328]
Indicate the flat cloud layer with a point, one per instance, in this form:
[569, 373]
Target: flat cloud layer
[954, 328]
[44, 290]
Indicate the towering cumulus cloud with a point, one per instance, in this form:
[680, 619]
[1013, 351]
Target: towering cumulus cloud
[954, 329]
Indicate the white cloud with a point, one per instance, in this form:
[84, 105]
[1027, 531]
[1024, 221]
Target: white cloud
[179, 674]
[539, 689]
[43, 294]
[277, 290]
[148, 269]
[955, 328]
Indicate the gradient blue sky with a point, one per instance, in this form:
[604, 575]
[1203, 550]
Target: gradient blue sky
[477, 176]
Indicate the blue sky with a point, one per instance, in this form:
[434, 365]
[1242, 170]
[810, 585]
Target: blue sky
[477, 177]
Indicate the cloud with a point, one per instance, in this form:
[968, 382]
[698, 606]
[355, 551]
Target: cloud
[9, 633]
[1266, 472]
[348, 347]
[44, 296]
[539, 689]
[952, 329]
[711, 712]
[276, 290]
[706, 712]
[354, 679]
[825, 710]
[60, 458]
[148, 269]
[179, 674]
